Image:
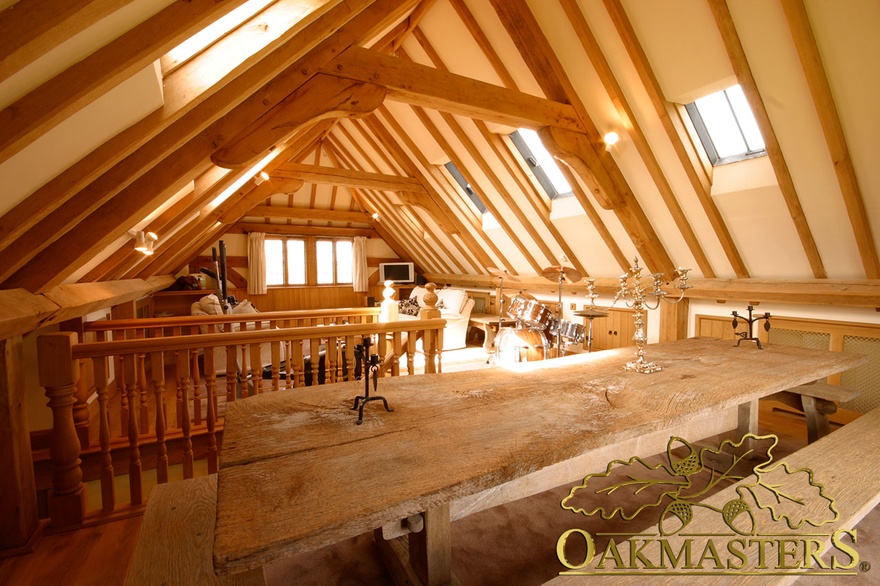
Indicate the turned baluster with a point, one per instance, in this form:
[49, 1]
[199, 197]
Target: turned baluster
[298, 364]
[108, 488]
[210, 387]
[186, 380]
[315, 359]
[178, 358]
[334, 350]
[123, 399]
[59, 373]
[244, 371]
[81, 407]
[231, 373]
[411, 352]
[257, 367]
[349, 358]
[197, 389]
[396, 352]
[144, 392]
[157, 372]
[438, 350]
[276, 365]
[134, 452]
[289, 380]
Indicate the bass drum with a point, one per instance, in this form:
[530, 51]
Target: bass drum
[516, 345]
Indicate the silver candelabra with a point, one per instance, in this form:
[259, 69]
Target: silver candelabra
[640, 295]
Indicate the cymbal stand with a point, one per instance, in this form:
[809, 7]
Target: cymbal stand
[560, 351]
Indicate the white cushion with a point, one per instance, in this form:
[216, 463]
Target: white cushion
[453, 299]
[244, 307]
[419, 294]
[211, 305]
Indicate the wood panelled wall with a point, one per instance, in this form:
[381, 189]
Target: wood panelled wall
[288, 298]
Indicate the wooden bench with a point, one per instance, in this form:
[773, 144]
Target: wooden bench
[176, 542]
[844, 463]
[489, 325]
[817, 400]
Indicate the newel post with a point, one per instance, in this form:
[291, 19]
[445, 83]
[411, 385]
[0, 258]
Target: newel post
[59, 373]
[431, 340]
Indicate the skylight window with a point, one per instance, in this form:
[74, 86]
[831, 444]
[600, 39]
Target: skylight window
[208, 35]
[466, 187]
[541, 162]
[726, 126]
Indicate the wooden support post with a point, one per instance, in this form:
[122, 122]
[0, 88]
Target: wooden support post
[81, 415]
[430, 550]
[59, 373]
[674, 320]
[18, 499]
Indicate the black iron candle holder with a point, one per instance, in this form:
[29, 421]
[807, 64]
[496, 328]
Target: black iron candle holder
[748, 336]
[371, 367]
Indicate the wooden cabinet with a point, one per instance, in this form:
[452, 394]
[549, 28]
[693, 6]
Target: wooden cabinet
[614, 331]
[176, 302]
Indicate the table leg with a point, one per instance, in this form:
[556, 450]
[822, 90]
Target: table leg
[423, 554]
[489, 338]
[816, 412]
[430, 550]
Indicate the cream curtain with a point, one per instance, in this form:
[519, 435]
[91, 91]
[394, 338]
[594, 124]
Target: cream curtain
[257, 264]
[359, 271]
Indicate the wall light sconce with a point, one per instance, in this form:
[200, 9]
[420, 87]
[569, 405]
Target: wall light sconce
[375, 215]
[262, 176]
[143, 241]
[611, 139]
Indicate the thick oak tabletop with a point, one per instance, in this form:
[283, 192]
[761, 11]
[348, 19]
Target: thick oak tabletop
[297, 474]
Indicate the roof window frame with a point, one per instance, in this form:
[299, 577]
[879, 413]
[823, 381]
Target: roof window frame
[536, 168]
[707, 141]
[456, 174]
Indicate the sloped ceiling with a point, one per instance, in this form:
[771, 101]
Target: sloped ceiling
[353, 108]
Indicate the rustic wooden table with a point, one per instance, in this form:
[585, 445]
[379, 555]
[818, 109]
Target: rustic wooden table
[297, 474]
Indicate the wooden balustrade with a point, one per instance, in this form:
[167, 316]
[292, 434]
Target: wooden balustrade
[162, 389]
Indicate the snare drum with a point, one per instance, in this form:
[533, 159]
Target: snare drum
[534, 315]
[516, 306]
[516, 345]
[571, 331]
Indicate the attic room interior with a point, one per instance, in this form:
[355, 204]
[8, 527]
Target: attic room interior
[225, 222]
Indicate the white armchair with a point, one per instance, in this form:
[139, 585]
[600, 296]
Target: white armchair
[455, 307]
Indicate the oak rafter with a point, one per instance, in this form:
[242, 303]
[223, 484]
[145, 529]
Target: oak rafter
[743, 72]
[811, 61]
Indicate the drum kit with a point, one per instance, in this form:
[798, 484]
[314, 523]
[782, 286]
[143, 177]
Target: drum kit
[536, 327]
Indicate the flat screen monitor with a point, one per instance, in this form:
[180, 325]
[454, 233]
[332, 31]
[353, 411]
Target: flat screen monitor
[399, 272]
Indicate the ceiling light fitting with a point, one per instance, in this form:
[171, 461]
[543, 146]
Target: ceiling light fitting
[143, 241]
[260, 177]
[611, 139]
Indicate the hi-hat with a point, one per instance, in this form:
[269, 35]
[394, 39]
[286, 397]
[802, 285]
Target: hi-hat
[569, 274]
[596, 312]
[503, 274]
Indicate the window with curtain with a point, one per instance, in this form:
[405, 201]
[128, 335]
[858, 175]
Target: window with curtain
[285, 261]
[308, 261]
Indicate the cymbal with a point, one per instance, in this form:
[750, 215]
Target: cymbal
[569, 274]
[597, 312]
[503, 274]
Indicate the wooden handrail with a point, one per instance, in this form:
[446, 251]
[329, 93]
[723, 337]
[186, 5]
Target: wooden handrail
[199, 320]
[176, 343]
